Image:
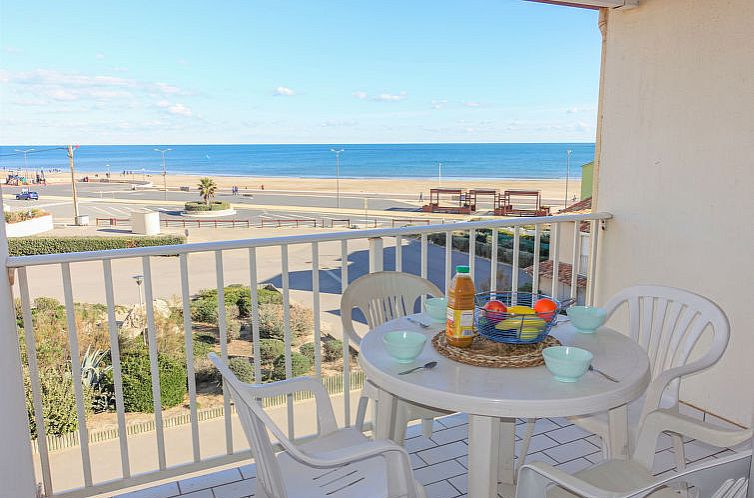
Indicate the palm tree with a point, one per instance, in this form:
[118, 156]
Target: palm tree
[207, 189]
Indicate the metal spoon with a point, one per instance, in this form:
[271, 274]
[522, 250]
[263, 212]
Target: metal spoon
[417, 322]
[608, 377]
[427, 366]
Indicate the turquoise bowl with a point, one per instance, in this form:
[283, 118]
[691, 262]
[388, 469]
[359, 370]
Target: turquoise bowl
[586, 319]
[566, 363]
[436, 308]
[404, 345]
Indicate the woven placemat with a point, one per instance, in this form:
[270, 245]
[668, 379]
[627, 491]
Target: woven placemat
[486, 353]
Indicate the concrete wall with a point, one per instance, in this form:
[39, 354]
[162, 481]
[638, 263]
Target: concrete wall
[30, 227]
[677, 170]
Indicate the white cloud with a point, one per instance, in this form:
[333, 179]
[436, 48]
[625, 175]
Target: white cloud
[439, 104]
[334, 123]
[163, 104]
[472, 104]
[360, 95]
[284, 91]
[390, 97]
[180, 109]
[12, 50]
[120, 69]
[576, 110]
[99, 56]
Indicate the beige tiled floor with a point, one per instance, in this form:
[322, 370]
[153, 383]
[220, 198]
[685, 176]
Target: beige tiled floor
[440, 461]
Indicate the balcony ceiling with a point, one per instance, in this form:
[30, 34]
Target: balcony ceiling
[594, 4]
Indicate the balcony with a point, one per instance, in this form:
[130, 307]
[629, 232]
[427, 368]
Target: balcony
[308, 270]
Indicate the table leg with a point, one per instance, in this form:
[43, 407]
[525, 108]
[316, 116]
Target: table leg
[618, 432]
[386, 406]
[484, 448]
[507, 452]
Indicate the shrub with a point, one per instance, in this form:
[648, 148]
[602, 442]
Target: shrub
[242, 369]
[238, 297]
[137, 383]
[333, 350]
[27, 246]
[300, 365]
[271, 321]
[192, 206]
[233, 330]
[58, 402]
[270, 349]
[308, 349]
[25, 215]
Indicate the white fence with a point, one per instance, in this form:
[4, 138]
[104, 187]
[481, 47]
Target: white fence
[377, 239]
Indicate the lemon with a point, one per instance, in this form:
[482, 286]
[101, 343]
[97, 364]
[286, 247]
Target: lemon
[531, 326]
[521, 310]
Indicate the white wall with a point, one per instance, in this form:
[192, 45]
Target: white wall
[677, 170]
[30, 227]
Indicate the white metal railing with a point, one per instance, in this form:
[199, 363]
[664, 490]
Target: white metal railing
[411, 244]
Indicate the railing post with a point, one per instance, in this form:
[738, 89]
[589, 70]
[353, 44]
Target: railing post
[16, 465]
[375, 254]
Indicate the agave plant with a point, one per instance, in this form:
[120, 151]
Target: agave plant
[93, 368]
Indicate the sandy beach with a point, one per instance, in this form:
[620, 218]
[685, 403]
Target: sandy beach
[552, 190]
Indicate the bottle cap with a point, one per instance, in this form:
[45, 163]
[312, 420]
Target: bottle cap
[462, 269]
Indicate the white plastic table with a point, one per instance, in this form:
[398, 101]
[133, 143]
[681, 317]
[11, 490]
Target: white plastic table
[494, 397]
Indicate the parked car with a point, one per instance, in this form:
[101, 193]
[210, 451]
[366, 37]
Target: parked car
[27, 196]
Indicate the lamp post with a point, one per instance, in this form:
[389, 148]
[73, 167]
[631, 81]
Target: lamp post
[439, 174]
[76, 218]
[337, 174]
[26, 162]
[140, 280]
[568, 172]
[164, 171]
[108, 172]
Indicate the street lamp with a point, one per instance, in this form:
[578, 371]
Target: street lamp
[140, 280]
[26, 162]
[164, 171]
[337, 174]
[439, 174]
[108, 172]
[568, 172]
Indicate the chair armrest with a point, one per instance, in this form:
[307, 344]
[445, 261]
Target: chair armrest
[660, 421]
[342, 456]
[534, 479]
[661, 382]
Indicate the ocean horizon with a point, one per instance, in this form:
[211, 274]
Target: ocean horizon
[459, 160]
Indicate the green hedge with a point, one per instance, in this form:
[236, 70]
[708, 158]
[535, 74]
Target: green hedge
[137, 382]
[29, 246]
[300, 365]
[201, 206]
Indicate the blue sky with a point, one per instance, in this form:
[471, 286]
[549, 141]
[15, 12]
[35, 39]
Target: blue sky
[351, 71]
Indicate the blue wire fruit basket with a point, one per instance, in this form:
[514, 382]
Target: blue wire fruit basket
[519, 323]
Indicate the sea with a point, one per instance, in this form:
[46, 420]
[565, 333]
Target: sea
[451, 160]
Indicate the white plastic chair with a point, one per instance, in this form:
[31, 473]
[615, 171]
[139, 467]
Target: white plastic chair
[381, 297]
[717, 478]
[667, 323]
[337, 463]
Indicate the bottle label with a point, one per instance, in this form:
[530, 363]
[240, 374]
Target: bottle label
[460, 323]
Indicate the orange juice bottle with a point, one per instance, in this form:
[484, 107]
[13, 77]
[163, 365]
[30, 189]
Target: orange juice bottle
[459, 326]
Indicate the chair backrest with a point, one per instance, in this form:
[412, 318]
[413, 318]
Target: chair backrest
[667, 322]
[382, 296]
[248, 407]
